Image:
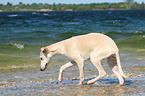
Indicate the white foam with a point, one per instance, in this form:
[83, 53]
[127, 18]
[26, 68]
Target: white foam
[20, 46]
[45, 14]
[12, 15]
[34, 13]
[138, 32]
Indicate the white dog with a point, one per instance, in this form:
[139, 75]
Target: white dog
[93, 46]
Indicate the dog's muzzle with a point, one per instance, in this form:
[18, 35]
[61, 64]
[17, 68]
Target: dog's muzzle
[44, 68]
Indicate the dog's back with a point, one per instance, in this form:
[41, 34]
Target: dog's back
[93, 40]
[85, 44]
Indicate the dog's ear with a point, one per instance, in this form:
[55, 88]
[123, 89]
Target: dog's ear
[53, 50]
[44, 50]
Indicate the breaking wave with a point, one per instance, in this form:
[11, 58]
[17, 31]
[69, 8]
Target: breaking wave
[17, 45]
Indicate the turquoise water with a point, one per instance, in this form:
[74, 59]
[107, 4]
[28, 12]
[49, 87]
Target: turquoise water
[22, 34]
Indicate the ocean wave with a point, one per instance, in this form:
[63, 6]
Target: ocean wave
[17, 49]
[34, 13]
[127, 41]
[133, 44]
[20, 46]
[123, 35]
[139, 33]
[14, 15]
[17, 45]
[66, 35]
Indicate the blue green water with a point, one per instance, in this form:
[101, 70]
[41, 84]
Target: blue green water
[22, 34]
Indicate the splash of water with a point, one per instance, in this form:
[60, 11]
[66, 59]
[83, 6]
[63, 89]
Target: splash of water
[20, 46]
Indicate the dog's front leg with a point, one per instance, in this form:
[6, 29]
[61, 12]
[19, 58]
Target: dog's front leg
[80, 64]
[69, 64]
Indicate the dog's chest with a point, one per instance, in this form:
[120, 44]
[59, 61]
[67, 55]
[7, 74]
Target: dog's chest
[85, 56]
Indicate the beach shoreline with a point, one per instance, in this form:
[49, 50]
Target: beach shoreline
[50, 10]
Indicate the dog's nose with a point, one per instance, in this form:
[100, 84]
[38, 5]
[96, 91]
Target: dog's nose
[41, 69]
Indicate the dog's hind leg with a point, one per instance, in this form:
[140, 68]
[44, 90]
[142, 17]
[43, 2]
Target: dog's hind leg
[111, 60]
[69, 64]
[102, 73]
[97, 63]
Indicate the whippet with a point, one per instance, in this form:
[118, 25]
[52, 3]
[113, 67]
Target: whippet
[93, 46]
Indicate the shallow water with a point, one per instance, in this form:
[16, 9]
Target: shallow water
[26, 81]
[22, 34]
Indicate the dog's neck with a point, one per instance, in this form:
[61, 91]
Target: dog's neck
[57, 48]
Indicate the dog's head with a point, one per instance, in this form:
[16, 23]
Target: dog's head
[45, 56]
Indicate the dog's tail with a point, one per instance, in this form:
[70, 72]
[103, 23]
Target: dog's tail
[119, 66]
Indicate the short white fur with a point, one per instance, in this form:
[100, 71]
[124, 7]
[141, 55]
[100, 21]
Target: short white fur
[93, 46]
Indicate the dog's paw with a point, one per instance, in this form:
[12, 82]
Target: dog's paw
[81, 83]
[60, 79]
[129, 75]
[90, 82]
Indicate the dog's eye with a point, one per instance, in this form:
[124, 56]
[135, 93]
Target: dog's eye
[41, 59]
[43, 51]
